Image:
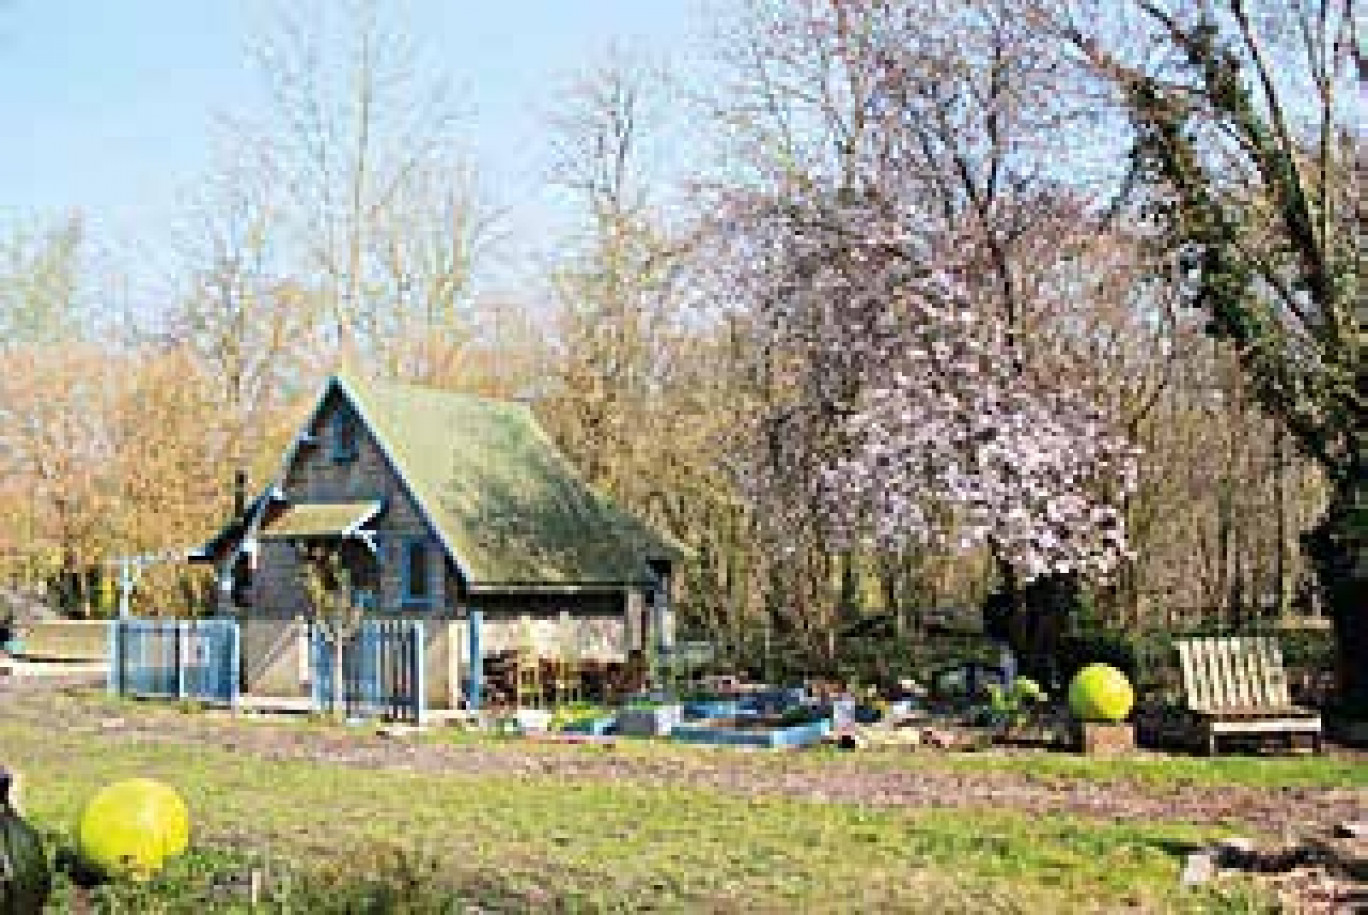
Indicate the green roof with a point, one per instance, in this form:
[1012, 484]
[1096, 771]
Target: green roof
[314, 519]
[507, 504]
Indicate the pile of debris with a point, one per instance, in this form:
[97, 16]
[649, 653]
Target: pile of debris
[1325, 873]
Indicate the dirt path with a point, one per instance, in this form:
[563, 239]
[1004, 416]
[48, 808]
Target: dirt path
[859, 779]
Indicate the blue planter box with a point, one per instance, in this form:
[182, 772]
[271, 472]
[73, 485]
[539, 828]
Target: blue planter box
[595, 727]
[13, 646]
[797, 736]
[649, 722]
[711, 708]
[774, 701]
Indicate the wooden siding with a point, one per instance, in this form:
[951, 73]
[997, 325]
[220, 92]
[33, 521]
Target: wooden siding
[314, 476]
[278, 597]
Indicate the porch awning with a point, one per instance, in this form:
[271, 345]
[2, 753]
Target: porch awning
[320, 519]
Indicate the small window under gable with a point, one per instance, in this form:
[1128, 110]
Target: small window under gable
[417, 588]
[344, 435]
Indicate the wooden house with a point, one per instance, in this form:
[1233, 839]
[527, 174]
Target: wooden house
[439, 504]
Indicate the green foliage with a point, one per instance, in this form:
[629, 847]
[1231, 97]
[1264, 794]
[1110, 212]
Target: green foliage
[799, 715]
[328, 583]
[874, 659]
[574, 713]
[1149, 659]
[1272, 260]
[647, 703]
[1017, 705]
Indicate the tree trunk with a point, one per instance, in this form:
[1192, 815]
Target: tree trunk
[1337, 551]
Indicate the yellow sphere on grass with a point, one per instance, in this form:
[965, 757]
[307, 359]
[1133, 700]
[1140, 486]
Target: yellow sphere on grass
[1100, 692]
[132, 827]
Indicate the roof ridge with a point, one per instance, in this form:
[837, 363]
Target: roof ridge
[350, 379]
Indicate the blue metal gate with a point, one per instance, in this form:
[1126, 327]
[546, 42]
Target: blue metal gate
[175, 659]
[382, 671]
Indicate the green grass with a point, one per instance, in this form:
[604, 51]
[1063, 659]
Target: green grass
[541, 842]
[1152, 772]
[1156, 772]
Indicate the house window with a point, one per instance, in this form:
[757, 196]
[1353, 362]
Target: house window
[343, 437]
[417, 589]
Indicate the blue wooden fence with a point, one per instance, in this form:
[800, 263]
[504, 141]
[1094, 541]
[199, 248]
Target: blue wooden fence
[382, 672]
[175, 659]
[475, 662]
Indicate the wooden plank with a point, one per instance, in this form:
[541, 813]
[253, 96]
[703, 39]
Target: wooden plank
[1251, 652]
[1277, 675]
[1230, 662]
[1207, 675]
[1267, 726]
[1242, 673]
[1196, 671]
[1237, 695]
[1287, 711]
[1259, 658]
[1187, 665]
[1226, 652]
[1264, 660]
[1211, 673]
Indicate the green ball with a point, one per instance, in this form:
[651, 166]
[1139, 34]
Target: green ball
[1100, 692]
[130, 828]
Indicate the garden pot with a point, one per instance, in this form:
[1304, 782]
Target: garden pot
[842, 712]
[532, 720]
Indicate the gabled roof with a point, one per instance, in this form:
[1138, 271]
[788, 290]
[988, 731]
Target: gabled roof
[230, 535]
[509, 508]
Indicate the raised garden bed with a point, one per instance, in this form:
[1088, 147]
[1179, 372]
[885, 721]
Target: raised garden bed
[649, 721]
[711, 708]
[752, 732]
[594, 727]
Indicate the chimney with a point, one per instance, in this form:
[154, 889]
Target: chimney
[239, 493]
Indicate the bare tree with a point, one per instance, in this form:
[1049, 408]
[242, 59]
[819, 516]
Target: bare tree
[40, 282]
[1248, 147]
[249, 322]
[378, 200]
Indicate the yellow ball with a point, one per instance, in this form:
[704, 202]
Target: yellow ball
[131, 828]
[1100, 692]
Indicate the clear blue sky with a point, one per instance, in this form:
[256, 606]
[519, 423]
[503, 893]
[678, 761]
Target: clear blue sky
[108, 106]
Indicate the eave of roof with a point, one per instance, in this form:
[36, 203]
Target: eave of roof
[320, 519]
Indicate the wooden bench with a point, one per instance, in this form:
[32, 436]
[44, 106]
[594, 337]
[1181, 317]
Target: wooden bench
[1237, 686]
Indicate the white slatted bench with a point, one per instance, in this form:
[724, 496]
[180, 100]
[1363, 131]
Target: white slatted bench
[1237, 686]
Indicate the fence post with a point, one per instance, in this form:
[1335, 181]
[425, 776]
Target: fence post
[234, 664]
[315, 672]
[114, 678]
[419, 678]
[180, 658]
[476, 664]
